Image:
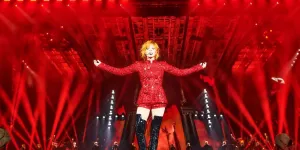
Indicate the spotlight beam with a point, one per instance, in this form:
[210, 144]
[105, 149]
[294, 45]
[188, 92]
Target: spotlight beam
[62, 102]
[73, 103]
[88, 113]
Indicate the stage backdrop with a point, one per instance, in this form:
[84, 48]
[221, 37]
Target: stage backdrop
[171, 115]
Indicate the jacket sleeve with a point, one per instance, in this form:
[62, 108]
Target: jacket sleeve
[119, 71]
[181, 72]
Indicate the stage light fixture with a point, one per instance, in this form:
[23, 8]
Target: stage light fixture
[113, 91]
[97, 117]
[221, 115]
[209, 126]
[215, 115]
[103, 117]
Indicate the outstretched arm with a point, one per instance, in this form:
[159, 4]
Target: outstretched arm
[117, 71]
[183, 72]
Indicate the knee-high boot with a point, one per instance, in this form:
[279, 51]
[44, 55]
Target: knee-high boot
[140, 128]
[155, 127]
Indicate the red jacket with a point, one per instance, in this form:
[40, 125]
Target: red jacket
[151, 76]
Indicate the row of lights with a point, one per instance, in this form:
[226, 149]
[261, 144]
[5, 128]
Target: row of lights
[25, 64]
[120, 117]
[208, 117]
[281, 80]
[295, 58]
[111, 112]
[207, 112]
[111, 108]
[207, 109]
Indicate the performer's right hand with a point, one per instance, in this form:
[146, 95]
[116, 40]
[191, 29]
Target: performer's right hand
[97, 63]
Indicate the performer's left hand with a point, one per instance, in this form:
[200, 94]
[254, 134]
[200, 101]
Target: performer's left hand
[203, 65]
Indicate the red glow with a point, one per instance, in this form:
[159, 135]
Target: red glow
[46, 101]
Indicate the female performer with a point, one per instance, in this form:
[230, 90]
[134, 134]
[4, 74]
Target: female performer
[152, 96]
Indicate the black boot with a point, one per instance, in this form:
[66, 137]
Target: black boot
[140, 127]
[155, 127]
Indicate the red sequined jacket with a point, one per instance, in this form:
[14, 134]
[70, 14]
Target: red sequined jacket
[151, 76]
